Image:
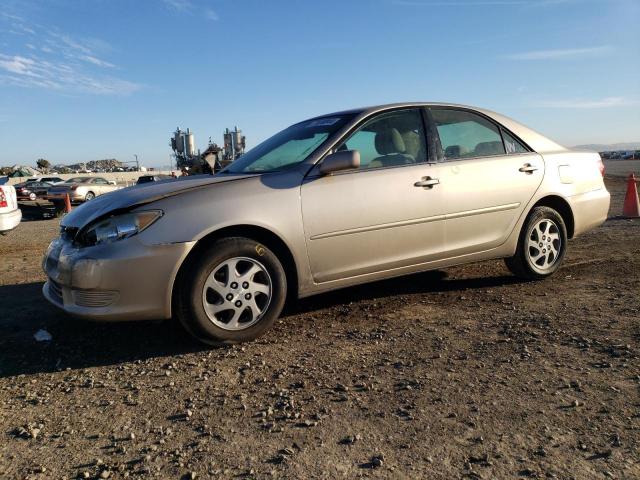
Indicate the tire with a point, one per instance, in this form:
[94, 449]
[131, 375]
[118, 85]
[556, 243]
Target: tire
[89, 196]
[541, 246]
[32, 196]
[209, 297]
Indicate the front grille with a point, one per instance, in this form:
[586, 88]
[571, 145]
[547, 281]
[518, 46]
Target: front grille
[55, 291]
[94, 298]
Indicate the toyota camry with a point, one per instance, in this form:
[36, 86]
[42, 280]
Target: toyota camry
[333, 201]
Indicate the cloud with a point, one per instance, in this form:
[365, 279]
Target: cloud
[190, 8]
[210, 14]
[478, 3]
[607, 102]
[32, 72]
[560, 54]
[58, 61]
[179, 5]
[458, 3]
[484, 3]
[97, 61]
[16, 64]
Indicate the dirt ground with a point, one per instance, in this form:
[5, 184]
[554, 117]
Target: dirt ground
[463, 373]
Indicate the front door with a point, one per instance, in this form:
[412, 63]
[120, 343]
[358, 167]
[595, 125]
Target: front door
[385, 215]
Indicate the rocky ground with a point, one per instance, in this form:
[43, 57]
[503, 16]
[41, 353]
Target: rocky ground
[463, 373]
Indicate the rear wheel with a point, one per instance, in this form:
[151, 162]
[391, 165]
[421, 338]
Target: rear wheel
[231, 292]
[32, 196]
[541, 246]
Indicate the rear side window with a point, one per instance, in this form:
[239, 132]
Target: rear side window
[465, 134]
[512, 145]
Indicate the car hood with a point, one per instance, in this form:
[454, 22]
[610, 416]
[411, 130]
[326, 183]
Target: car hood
[130, 197]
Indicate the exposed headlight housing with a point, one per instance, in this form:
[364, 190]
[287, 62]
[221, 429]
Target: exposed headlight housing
[117, 227]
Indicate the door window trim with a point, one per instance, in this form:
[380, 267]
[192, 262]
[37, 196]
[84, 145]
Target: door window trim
[438, 145]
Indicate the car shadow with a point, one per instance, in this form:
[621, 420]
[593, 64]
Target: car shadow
[78, 344]
[75, 343]
[418, 283]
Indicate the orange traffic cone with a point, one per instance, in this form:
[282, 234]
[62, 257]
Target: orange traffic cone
[67, 203]
[631, 208]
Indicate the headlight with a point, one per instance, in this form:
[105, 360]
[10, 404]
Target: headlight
[118, 227]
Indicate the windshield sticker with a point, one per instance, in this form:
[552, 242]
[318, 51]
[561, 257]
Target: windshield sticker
[322, 122]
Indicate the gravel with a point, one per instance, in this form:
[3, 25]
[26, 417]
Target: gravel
[466, 373]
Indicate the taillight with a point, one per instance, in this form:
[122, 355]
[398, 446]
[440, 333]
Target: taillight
[3, 199]
[601, 167]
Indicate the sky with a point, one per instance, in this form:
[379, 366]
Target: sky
[92, 79]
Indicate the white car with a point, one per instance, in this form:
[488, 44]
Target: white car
[10, 214]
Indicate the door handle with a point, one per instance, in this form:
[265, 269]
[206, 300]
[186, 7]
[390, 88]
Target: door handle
[427, 182]
[527, 168]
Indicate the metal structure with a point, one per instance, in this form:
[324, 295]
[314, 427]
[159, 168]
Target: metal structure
[183, 144]
[187, 158]
[234, 144]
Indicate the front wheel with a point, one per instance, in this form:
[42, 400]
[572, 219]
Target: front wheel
[541, 246]
[231, 292]
[89, 196]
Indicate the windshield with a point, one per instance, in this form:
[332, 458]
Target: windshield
[289, 147]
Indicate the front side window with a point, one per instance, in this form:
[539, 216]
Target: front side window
[389, 140]
[289, 147]
[466, 135]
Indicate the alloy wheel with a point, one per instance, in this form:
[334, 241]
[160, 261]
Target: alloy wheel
[237, 293]
[544, 245]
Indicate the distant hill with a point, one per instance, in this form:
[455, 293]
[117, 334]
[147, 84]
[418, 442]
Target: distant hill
[613, 147]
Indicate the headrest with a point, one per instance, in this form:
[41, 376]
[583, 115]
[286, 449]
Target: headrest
[455, 151]
[489, 148]
[389, 141]
[411, 143]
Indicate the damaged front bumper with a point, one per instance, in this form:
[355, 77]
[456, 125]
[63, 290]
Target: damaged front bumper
[124, 280]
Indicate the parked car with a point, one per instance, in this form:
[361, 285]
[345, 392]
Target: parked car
[32, 190]
[51, 180]
[333, 201]
[152, 178]
[10, 214]
[81, 189]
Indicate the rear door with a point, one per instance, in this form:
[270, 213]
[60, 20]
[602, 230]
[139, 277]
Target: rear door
[385, 215]
[488, 177]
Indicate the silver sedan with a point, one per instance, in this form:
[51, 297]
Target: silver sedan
[81, 189]
[337, 200]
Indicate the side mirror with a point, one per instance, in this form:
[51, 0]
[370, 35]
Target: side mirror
[343, 160]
